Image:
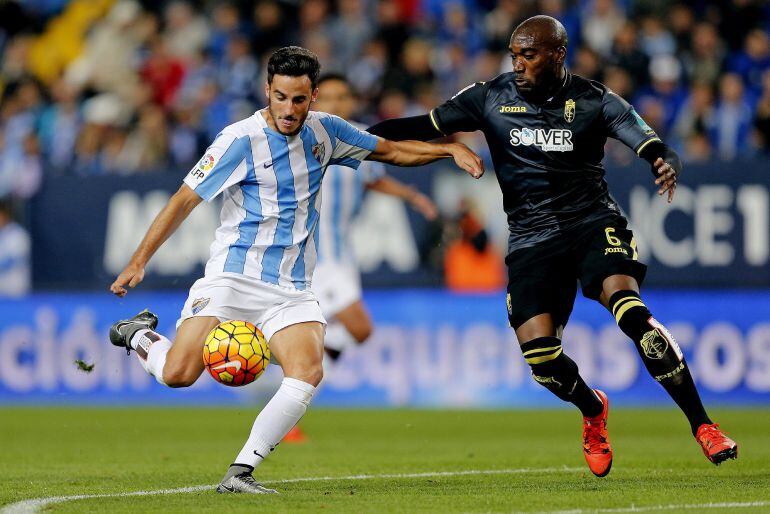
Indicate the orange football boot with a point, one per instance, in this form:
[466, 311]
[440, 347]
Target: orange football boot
[596, 440]
[717, 447]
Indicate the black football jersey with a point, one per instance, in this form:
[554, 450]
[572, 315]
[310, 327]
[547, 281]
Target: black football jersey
[547, 157]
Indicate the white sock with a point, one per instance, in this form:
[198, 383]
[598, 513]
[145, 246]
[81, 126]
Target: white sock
[280, 414]
[338, 338]
[151, 349]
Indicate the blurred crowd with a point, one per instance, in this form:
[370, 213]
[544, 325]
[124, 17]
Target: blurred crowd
[93, 87]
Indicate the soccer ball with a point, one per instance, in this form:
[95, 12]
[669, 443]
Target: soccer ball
[236, 353]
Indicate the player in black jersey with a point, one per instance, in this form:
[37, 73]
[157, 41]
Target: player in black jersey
[546, 130]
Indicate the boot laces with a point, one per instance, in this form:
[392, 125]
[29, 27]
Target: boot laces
[593, 440]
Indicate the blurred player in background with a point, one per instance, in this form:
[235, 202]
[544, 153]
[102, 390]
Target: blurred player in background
[15, 273]
[546, 129]
[268, 168]
[337, 280]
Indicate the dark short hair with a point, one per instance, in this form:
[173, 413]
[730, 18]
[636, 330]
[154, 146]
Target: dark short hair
[294, 61]
[339, 77]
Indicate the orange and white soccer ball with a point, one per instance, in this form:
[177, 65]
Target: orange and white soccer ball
[236, 353]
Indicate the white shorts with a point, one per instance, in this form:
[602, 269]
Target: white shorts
[234, 296]
[337, 286]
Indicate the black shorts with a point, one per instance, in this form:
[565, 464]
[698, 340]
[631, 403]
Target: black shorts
[543, 278]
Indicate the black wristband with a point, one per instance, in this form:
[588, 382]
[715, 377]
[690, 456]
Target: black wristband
[656, 149]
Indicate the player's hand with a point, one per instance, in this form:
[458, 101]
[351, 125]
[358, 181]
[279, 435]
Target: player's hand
[466, 159]
[424, 206]
[131, 276]
[667, 176]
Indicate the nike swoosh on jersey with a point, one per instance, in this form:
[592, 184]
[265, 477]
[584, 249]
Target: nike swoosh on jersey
[224, 365]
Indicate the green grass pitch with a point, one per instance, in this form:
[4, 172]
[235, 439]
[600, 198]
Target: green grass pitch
[421, 461]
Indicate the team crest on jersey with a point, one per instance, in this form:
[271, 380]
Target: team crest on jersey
[199, 304]
[319, 151]
[569, 110]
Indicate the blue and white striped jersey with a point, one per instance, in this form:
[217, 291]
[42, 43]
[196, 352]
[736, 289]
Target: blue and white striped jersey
[271, 185]
[343, 191]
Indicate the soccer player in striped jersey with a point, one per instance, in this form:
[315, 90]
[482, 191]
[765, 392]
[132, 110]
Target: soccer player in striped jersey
[269, 169]
[337, 281]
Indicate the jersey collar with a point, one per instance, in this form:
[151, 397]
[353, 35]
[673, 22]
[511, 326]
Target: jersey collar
[562, 88]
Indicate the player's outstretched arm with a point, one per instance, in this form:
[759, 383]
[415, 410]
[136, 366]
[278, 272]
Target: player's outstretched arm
[417, 153]
[418, 201]
[624, 124]
[414, 127]
[166, 222]
[464, 112]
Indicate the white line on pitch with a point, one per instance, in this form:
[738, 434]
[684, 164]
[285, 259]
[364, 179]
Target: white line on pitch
[654, 508]
[34, 505]
[31, 506]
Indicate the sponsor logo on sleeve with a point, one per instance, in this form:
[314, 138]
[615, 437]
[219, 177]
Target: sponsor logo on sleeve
[643, 124]
[205, 165]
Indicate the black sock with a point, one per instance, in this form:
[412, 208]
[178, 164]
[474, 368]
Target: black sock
[660, 354]
[685, 394]
[552, 369]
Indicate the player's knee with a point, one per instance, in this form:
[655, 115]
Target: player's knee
[312, 374]
[179, 375]
[310, 371]
[315, 375]
[550, 367]
[630, 312]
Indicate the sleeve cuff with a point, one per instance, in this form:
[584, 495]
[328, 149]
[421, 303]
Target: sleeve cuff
[435, 124]
[643, 145]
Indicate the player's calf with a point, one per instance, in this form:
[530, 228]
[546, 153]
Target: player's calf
[552, 369]
[660, 353]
